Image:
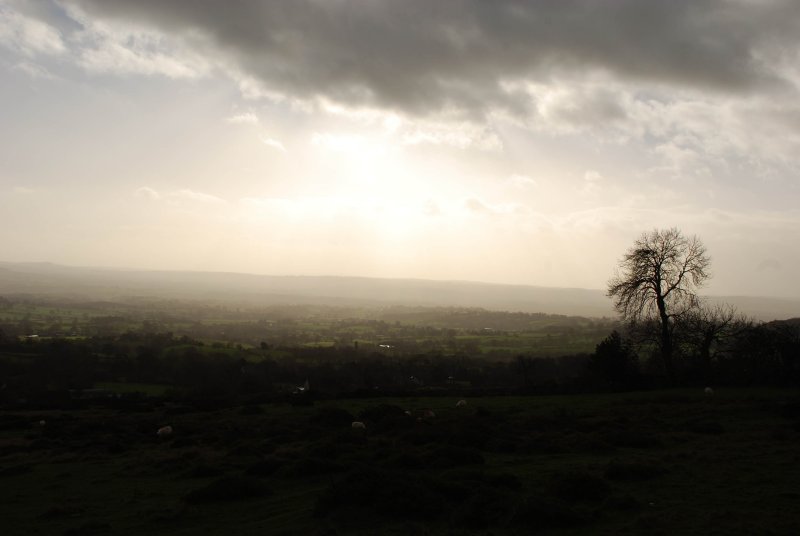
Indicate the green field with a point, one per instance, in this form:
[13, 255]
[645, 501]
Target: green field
[148, 389]
[449, 331]
[664, 462]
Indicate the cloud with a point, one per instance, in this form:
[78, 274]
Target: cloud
[460, 135]
[769, 265]
[275, 144]
[124, 48]
[178, 196]
[34, 70]
[591, 183]
[411, 131]
[246, 118]
[721, 75]
[148, 193]
[197, 197]
[573, 106]
[423, 57]
[22, 190]
[479, 207]
[431, 208]
[347, 143]
[522, 181]
[27, 35]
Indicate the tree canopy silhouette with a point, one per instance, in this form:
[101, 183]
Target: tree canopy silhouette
[658, 280]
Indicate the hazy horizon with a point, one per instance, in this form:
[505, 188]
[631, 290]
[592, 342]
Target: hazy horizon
[120, 268]
[502, 143]
[54, 281]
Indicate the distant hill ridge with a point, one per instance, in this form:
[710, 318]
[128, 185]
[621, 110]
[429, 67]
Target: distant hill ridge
[109, 284]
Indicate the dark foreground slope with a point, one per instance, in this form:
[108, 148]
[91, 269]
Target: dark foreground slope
[670, 462]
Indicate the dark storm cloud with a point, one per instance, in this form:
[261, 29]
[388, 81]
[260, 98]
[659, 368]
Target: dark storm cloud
[422, 55]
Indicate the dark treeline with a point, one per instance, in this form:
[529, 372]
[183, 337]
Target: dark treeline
[709, 351]
[33, 368]
[38, 371]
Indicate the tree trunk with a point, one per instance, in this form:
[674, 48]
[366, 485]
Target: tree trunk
[666, 340]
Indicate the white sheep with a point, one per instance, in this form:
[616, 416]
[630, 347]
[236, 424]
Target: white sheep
[42, 422]
[708, 391]
[428, 414]
[461, 404]
[408, 413]
[358, 425]
[164, 431]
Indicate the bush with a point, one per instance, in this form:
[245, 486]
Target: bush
[632, 471]
[386, 417]
[579, 487]
[230, 488]
[625, 503]
[472, 433]
[386, 493]
[632, 439]
[537, 512]
[310, 467]
[615, 361]
[479, 478]
[266, 467]
[381, 412]
[203, 470]
[423, 434]
[486, 507]
[705, 427]
[444, 457]
[251, 410]
[331, 417]
[15, 470]
[452, 456]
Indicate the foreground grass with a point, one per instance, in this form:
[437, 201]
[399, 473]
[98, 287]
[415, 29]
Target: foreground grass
[667, 462]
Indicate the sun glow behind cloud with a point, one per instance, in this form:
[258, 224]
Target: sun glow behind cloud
[147, 134]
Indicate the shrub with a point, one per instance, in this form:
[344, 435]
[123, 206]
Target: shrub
[251, 410]
[452, 456]
[471, 433]
[311, 467]
[381, 412]
[790, 410]
[624, 503]
[385, 493]
[444, 457]
[203, 470]
[386, 417]
[230, 488]
[632, 471]
[632, 439]
[423, 434]
[332, 417]
[705, 427]
[480, 478]
[537, 512]
[15, 470]
[266, 467]
[486, 506]
[579, 487]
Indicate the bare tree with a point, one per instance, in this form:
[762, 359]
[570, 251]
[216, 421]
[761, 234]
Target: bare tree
[658, 280]
[707, 328]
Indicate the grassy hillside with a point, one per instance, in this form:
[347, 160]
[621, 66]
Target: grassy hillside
[667, 462]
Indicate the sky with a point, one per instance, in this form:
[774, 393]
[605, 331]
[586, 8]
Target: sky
[504, 141]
